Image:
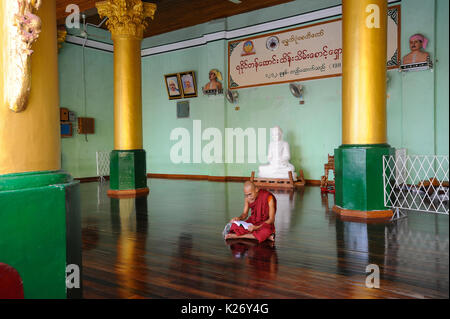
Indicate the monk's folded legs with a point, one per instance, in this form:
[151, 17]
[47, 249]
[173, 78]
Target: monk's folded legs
[247, 236]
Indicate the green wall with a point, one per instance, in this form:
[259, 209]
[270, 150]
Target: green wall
[159, 114]
[441, 76]
[78, 154]
[417, 103]
[273, 13]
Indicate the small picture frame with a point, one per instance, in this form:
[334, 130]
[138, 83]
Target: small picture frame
[188, 84]
[72, 116]
[173, 86]
[182, 109]
[66, 129]
[63, 114]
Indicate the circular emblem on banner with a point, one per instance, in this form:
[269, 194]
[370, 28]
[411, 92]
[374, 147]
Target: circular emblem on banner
[272, 43]
[248, 47]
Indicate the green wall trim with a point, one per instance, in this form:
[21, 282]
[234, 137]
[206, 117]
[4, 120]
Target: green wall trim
[128, 170]
[359, 176]
[33, 179]
[79, 151]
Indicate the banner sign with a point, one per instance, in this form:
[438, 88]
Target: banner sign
[304, 53]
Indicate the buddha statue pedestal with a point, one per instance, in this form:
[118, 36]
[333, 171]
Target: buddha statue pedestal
[279, 172]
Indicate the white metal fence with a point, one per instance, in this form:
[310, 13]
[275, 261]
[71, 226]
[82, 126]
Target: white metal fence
[102, 165]
[418, 183]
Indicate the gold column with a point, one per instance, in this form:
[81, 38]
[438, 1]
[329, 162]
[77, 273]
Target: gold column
[364, 71]
[127, 22]
[30, 138]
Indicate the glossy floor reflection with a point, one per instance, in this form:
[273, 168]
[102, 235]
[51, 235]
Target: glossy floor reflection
[170, 245]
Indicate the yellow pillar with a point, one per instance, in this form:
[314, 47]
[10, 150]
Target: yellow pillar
[127, 93]
[359, 160]
[39, 204]
[364, 34]
[30, 139]
[127, 20]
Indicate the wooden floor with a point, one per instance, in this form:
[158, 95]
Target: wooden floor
[170, 245]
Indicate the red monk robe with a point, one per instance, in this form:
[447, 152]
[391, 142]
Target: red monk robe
[259, 214]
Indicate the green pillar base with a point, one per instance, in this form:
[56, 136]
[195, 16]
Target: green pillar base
[40, 231]
[359, 178]
[128, 173]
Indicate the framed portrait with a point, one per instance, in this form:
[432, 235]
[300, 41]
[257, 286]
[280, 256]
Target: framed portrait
[173, 86]
[188, 84]
[66, 129]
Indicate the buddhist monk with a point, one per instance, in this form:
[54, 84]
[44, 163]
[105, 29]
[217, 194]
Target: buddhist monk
[263, 205]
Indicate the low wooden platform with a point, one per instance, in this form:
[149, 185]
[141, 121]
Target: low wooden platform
[279, 183]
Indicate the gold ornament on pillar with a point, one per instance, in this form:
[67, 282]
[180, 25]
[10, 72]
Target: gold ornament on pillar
[126, 17]
[61, 37]
[23, 28]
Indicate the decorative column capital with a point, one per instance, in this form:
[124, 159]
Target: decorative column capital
[126, 17]
[61, 36]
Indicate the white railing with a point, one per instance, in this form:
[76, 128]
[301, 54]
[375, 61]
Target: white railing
[416, 182]
[102, 165]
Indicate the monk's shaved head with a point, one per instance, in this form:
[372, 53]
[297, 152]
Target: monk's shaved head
[250, 191]
[250, 186]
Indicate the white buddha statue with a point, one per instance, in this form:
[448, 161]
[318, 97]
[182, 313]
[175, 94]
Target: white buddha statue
[279, 156]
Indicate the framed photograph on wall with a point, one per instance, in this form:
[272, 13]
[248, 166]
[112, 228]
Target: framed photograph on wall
[182, 109]
[66, 129]
[173, 86]
[188, 84]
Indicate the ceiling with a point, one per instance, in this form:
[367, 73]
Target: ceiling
[173, 14]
